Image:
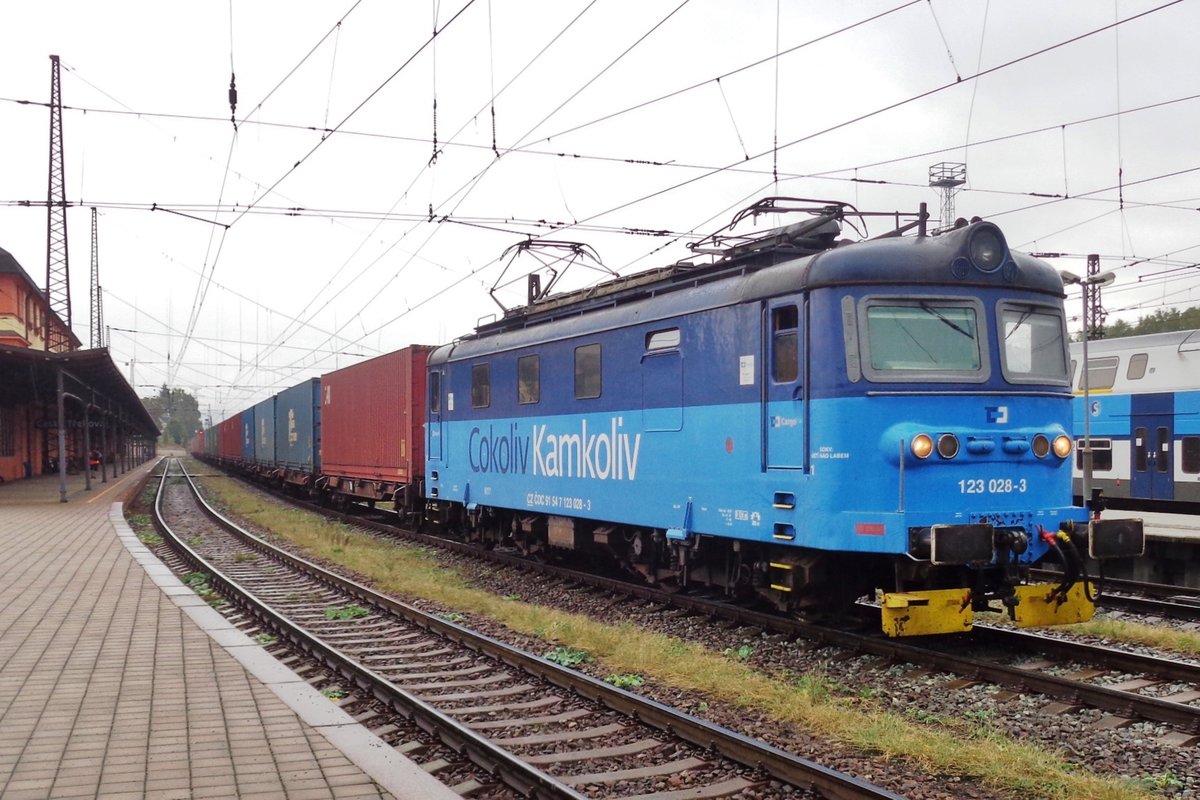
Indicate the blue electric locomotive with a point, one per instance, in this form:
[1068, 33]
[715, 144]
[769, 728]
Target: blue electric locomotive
[804, 420]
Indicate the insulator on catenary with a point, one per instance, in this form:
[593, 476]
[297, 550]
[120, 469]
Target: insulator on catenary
[233, 99]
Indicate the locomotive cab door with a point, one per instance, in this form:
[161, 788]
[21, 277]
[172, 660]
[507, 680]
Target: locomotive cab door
[784, 368]
[1153, 449]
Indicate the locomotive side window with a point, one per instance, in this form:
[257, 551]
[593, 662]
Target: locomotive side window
[662, 340]
[785, 361]
[1137, 366]
[481, 385]
[529, 379]
[1033, 344]
[1101, 372]
[1191, 454]
[587, 371]
[435, 392]
[936, 340]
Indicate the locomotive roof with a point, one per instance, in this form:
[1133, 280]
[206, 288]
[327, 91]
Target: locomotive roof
[657, 294]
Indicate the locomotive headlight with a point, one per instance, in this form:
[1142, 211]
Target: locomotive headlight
[1062, 445]
[987, 250]
[922, 445]
[947, 445]
[1041, 445]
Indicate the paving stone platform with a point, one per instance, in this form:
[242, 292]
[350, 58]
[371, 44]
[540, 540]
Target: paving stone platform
[116, 681]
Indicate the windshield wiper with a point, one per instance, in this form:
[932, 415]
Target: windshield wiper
[1024, 316]
[933, 311]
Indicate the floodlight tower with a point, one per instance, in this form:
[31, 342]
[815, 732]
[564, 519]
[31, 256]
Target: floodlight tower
[58, 274]
[97, 300]
[948, 177]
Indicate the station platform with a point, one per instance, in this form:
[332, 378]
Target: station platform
[117, 681]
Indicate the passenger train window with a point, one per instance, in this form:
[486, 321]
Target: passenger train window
[435, 392]
[529, 379]
[1101, 372]
[1137, 366]
[785, 361]
[481, 385]
[1074, 366]
[1190, 446]
[587, 371]
[662, 340]
[1102, 460]
[1033, 343]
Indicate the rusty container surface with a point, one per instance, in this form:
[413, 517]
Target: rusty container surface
[230, 434]
[372, 417]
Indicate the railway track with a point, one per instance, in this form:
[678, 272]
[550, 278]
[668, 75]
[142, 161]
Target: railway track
[543, 730]
[1121, 683]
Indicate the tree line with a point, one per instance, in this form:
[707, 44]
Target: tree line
[176, 413]
[1161, 321]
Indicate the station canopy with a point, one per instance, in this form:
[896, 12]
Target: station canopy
[31, 376]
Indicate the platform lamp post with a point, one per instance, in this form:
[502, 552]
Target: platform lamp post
[1085, 289]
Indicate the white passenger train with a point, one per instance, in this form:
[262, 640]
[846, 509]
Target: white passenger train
[1144, 406]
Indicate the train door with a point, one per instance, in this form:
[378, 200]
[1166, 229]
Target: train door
[433, 448]
[662, 382]
[1152, 450]
[783, 386]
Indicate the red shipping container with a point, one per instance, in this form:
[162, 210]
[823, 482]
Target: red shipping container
[229, 438]
[373, 418]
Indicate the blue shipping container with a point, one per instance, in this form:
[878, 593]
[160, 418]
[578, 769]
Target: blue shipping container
[264, 433]
[298, 427]
[247, 436]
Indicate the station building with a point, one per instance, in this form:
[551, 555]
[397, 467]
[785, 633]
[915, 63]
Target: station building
[58, 404]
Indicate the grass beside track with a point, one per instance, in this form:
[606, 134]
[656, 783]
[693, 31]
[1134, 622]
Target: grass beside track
[1172, 640]
[956, 748]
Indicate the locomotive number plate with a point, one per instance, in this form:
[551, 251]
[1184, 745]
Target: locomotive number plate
[992, 486]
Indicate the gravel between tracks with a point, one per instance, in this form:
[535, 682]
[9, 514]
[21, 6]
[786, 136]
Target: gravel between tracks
[1133, 752]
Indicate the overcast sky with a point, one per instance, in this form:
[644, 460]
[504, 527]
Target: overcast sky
[288, 250]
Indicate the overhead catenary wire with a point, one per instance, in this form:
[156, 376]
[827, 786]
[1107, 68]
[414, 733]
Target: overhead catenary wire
[974, 84]
[889, 107]
[370, 96]
[537, 56]
[570, 220]
[920, 96]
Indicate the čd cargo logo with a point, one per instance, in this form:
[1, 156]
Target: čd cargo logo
[607, 455]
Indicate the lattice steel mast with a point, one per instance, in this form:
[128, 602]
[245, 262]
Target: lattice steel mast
[1093, 327]
[58, 273]
[97, 299]
[948, 178]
